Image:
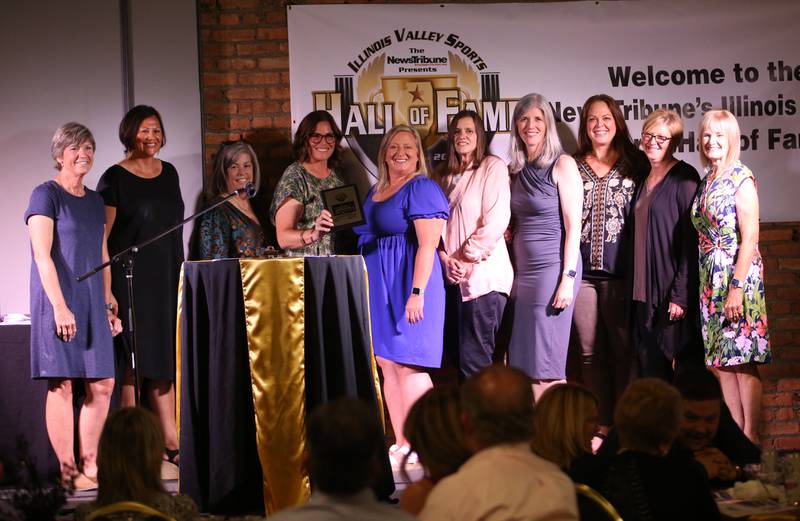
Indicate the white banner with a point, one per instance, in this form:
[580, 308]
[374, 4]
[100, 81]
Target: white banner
[372, 66]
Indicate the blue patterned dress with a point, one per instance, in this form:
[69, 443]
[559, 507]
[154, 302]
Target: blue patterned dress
[714, 217]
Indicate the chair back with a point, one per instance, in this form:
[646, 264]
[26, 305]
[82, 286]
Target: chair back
[592, 506]
[128, 511]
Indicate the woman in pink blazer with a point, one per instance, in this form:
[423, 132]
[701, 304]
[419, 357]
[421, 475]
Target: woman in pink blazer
[473, 250]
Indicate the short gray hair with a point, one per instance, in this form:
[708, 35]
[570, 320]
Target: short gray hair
[67, 135]
[551, 149]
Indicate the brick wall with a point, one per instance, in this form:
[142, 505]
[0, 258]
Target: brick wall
[244, 57]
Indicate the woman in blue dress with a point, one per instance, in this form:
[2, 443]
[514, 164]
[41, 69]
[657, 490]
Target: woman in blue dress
[71, 325]
[405, 213]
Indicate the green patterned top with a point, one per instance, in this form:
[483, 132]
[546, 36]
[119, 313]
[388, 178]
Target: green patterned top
[298, 184]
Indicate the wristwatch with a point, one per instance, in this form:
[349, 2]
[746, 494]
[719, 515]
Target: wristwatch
[571, 273]
[736, 283]
[417, 291]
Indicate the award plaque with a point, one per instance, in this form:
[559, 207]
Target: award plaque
[345, 206]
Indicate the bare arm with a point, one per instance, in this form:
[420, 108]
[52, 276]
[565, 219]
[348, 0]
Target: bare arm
[570, 195]
[40, 229]
[429, 231]
[286, 219]
[747, 218]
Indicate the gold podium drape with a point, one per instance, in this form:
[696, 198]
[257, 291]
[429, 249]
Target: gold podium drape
[287, 356]
[275, 321]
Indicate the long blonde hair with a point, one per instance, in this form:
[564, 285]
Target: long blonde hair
[383, 171]
[558, 423]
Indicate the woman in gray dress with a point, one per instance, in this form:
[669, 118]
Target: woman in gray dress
[546, 213]
[71, 325]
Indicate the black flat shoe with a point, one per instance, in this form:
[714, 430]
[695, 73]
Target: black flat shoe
[173, 456]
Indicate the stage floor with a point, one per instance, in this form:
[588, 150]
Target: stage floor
[172, 485]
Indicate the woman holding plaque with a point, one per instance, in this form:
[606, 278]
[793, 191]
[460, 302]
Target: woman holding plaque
[732, 304]
[232, 229]
[301, 223]
[474, 251]
[405, 214]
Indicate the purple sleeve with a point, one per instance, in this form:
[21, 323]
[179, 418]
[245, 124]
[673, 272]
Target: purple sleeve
[42, 202]
[426, 200]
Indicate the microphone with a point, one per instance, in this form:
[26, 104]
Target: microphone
[248, 189]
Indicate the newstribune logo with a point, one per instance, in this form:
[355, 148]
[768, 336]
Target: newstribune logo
[415, 77]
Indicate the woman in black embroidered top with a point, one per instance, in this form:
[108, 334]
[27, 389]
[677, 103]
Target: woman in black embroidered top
[610, 167]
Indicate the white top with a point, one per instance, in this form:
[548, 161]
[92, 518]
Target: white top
[359, 507]
[506, 482]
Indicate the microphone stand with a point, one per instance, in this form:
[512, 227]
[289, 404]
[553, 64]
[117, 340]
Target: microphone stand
[126, 257]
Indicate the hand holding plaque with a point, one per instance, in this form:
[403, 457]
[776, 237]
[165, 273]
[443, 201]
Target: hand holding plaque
[344, 204]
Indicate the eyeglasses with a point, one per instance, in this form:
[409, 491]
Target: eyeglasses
[316, 138]
[647, 136]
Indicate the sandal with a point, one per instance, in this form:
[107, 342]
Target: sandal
[173, 456]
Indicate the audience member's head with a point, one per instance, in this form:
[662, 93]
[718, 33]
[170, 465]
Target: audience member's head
[648, 415]
[497, 407]
[344, 439]
[702, 402]
[434, 431]
[129, 457]
[565, 420]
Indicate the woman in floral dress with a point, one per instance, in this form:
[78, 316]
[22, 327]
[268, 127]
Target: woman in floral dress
[732, 303]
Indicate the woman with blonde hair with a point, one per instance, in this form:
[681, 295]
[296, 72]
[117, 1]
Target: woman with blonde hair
[664, 260]
[434, 431]
[564, 423]
[733, 308]
[405, 214]
[129, 466]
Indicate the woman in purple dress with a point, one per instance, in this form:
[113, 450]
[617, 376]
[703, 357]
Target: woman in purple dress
[546, 214]
[71, 326]
[405, 213]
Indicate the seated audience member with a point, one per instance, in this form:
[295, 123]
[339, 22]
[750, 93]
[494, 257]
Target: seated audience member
[503, 479]
[434, 432]
[129, 460]
[565, 421]
[640, 482]
[708, 431]
[344, 444]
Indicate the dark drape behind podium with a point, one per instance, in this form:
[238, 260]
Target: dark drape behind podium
[219, 457]
[338, 340]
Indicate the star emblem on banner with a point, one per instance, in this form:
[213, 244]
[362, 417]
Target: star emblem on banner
[416, 93]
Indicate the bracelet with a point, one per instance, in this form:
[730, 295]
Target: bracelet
[109, 306]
